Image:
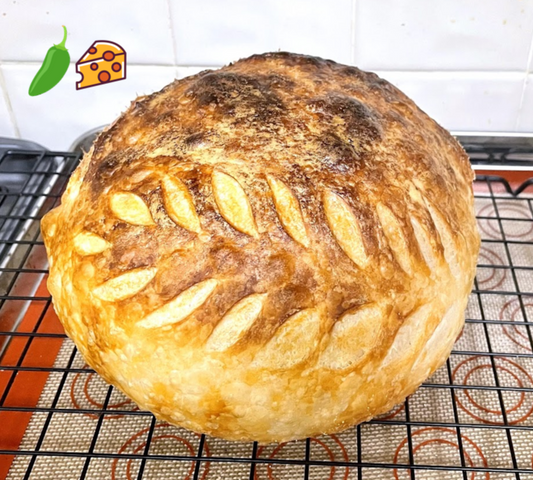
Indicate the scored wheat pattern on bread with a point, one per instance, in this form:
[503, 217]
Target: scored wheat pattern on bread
[285, 349]
[277, 249]
[235, 208]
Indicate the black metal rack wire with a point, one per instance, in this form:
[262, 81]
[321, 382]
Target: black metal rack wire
[472, 420]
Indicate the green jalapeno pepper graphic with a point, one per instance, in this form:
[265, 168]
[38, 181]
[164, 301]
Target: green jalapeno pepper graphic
[52, 70]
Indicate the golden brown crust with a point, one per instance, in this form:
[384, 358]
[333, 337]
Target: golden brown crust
[277, 249]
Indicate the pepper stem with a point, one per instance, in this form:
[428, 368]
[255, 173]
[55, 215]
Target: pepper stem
[62, 44]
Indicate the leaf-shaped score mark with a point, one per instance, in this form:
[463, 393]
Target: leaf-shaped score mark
[87, 243]
[293, 342]
[126, 285]
[179, 204]
[395, 237]
[180, 307]
[233, 203]
[236, 322]
[361, 326]
[345, 228]
[289, 211]
[131, 209]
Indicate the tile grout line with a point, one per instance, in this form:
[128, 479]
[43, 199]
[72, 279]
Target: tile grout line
[447, 72]
[378, 70]
[524, 86]
[521, 104]
[352, 39]
[9, 107]
[172, 35]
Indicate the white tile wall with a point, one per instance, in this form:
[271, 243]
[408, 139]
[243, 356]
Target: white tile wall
[211, 32]
[28, 28]
[487, 35]
[7, 128]
[57, 118]
[465, 62]
[188, 71]
[525, 117]
[465, 101]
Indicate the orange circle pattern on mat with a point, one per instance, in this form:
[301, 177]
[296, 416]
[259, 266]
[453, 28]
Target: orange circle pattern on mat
[510, 311]
[491, 228]
[438, 433]
[135, 446]
[329, 452]
[491, 278]
[522, 409]
[88, 398]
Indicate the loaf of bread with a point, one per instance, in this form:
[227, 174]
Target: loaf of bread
[277, 249]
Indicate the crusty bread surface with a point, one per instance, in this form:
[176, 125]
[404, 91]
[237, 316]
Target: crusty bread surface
[277, 249]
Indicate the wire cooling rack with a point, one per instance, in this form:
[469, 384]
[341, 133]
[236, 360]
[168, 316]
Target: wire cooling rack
[473, 419]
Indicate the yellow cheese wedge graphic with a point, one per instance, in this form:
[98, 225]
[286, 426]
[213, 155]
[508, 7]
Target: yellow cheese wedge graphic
[103, 62]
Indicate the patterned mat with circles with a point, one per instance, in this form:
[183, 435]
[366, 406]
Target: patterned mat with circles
[385, 442]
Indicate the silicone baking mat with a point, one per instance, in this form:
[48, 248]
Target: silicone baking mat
[472, 420]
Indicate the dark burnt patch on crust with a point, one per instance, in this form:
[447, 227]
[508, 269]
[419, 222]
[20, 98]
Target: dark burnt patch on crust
[278, 81]
[241, 97]
[132, 248]
[170, 281]
[360, 124]
[182, 140]
[195, 140]
[114, 168]
[370, 81]
[100, 172]
[352, 72]
[352, 128]
[338, 155]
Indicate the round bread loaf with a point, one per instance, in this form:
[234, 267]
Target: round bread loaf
[274, 250]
